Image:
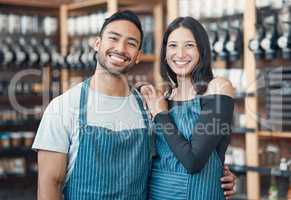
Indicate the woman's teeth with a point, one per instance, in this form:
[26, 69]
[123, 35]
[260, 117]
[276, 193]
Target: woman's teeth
[181, 62]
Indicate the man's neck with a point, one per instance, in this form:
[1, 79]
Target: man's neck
[109, 84]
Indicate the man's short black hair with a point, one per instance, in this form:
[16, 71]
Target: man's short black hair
[124, 15]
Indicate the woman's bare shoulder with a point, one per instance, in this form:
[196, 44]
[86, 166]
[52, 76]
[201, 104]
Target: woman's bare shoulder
[220, 86]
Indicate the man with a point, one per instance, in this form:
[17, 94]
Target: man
[93, 141]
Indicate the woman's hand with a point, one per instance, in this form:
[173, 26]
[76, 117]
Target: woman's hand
[154, 99]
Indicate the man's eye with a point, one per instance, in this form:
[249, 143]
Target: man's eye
[113, 38]
[132, 44]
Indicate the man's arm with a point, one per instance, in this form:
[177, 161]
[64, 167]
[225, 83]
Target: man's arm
[51, 174]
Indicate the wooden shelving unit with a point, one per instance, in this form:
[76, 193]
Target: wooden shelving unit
[43, 76]
[251, 133]
[274, 134]
[162, 10]
[32, 3]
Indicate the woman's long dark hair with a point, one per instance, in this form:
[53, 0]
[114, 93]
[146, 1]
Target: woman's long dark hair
[202, 73]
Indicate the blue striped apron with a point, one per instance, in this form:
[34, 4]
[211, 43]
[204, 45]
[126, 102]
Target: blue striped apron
[169, 179]
[109, 164]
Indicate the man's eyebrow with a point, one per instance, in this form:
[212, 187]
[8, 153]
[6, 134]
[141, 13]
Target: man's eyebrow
[129, 38]
[114, 33]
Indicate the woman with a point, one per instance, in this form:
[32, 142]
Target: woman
[192, 136]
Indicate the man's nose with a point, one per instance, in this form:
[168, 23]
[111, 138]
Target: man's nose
[120, 46]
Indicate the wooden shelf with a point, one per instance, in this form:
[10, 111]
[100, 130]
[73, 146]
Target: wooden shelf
[148, 58]
[17, 152]
[19, 181]
[85, 4]
[241, 169]
[33, 3]
[22, 99]
[274, 134]
[24, 125]
[242, 131]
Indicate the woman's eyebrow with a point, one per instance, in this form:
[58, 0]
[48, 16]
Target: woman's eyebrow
[187, 41]
[193, 41]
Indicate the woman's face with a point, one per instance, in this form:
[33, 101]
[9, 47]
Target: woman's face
[182, 52]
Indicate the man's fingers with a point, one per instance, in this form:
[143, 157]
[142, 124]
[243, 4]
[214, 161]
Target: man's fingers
[228, 186]
[229, 193]
[228, 178]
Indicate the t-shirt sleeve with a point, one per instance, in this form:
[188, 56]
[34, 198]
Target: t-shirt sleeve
[53, 133]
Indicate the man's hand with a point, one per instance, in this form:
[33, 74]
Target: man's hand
[228, 183]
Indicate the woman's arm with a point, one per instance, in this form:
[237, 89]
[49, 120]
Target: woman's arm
[194, 155]
[212, 127]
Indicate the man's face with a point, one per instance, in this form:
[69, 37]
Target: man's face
[118, 47]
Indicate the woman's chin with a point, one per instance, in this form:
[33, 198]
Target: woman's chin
[182, 72]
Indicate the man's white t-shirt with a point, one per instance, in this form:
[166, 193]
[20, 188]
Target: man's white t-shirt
[58, 129]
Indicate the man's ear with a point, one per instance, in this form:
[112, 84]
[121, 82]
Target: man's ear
[138, 57]
[97, 43]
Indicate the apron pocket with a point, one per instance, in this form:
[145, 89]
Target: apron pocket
[168, 185]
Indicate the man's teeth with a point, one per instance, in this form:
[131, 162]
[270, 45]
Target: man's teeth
[181, 62]
[116, 58]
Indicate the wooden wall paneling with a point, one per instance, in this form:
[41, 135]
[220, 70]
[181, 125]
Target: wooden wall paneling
[112, 6]
[158, 35]
[252, 143]
[172, 10]
[85, 4]
[64, 45]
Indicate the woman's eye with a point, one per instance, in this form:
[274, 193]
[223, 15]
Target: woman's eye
[172, 45]
[190, 45]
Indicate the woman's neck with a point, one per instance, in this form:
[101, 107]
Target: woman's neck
[185, 89]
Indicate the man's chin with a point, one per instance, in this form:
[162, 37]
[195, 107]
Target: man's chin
[117, 70]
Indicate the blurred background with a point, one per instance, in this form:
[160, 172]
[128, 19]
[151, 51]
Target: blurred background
[46, 48]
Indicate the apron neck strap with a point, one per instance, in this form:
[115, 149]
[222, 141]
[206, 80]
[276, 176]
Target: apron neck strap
[145, 115]
[83, 102]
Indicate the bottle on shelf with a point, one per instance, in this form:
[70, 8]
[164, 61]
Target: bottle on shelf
[10, 54]
[84, 59]
[289, 189]
[284, 42]
[213, 38]
[273, 190]
[6, 55]
[255, 44]
[56, 60]
[32, 54]
[21, 54]
[44, 56]
[269, 42]
[220, 44]
[235, 43]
